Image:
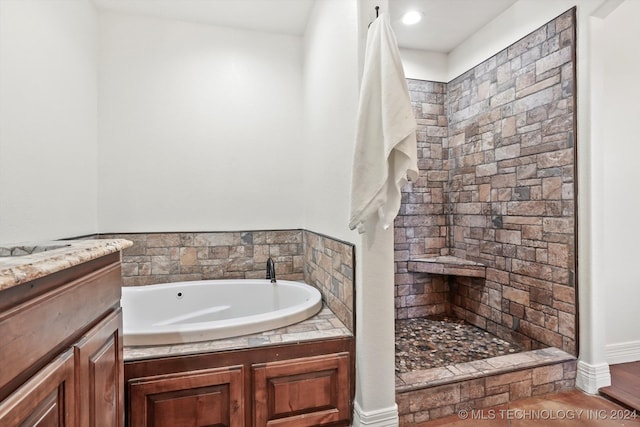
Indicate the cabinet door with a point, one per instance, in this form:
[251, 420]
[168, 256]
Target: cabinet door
[46, 400]
[100, 374]
[310, 391]
[208, 397]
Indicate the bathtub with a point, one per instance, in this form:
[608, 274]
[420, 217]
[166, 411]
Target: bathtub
[184, 312]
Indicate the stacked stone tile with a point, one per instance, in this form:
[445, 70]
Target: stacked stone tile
[421, 227]
[496, 382]
[174, 257]
[321, 261]
[328, 265]
[506, 167]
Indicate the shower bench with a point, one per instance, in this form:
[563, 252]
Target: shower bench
[447, 265]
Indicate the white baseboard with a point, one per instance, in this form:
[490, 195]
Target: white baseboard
[622, 353]
[590, 378]
[387, 417]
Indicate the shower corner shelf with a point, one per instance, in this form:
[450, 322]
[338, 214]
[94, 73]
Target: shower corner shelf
[447, 265]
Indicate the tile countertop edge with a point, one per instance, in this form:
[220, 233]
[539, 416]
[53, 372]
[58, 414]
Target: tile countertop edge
[21, 269]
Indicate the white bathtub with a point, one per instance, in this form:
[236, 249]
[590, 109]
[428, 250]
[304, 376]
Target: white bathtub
[205, 310]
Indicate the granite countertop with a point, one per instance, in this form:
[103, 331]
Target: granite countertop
[24, 262]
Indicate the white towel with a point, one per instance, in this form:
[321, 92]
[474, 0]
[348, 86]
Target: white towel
[386, 149]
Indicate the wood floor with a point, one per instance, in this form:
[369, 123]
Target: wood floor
[625, 385]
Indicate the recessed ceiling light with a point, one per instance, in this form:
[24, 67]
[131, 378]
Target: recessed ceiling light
[412, 17]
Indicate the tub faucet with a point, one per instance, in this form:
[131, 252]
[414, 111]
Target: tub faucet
[271, 270]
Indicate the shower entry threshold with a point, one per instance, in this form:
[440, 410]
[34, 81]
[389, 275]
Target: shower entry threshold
[442, 391]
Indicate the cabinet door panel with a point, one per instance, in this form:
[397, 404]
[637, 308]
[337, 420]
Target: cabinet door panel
[100, 374]
[47, 399]
[309, 391]
[46, 414]
[208, 397]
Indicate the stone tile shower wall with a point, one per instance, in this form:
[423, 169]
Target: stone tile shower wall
[320, 261]
[509, 194]
[421, 228]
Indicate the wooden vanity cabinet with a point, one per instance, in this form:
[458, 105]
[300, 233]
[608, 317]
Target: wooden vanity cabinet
[100, 374]
[303, 392]
[295, 385]
[206, 397]
[61, 349]
[47, 399]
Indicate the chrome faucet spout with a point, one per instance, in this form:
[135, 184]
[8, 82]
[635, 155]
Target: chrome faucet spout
[271, 270]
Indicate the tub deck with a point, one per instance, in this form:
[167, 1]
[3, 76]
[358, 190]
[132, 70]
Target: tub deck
[323, 325]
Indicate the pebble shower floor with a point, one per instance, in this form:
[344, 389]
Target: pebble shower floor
[425, 343]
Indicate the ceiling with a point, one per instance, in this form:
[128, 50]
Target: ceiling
[445, 23]
[274, 16]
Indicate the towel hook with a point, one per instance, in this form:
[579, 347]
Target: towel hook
[377, 8]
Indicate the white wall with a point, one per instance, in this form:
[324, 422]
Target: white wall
[425, 65]
[621, 175]
[48, 130]
[200, 127]
[330, 103]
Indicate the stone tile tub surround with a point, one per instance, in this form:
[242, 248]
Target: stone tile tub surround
[329, 266]
[301, 255]
[497, 161]
[15, 270]
[176, 257]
